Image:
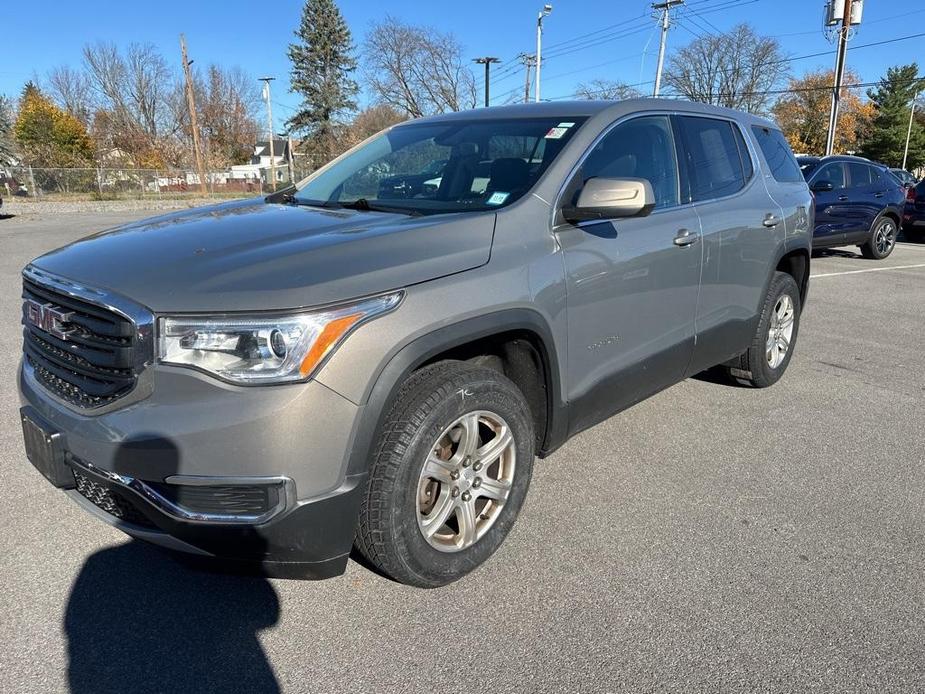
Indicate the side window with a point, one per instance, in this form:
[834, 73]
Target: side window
[858, 175]
[834, 174]
[713, 161]
[777, 152]
[640, 148]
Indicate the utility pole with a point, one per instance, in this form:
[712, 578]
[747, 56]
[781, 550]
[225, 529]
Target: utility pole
[909, 131]
[848, 12]
[487, 62]
[663, 7]
[194, 121]
[290, 160]
[529, 61]
[547, 9]
[266, 95]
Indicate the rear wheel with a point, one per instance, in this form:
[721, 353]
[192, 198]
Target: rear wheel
[767, 358]
[451, 472]
[882, 240]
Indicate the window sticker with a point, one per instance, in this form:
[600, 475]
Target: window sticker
[556, 133]
[497, 199]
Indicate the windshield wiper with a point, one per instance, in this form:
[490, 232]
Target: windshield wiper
[364, 205]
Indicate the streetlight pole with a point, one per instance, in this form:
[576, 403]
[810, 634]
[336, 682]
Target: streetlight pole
[664, 7]
[547, 9]
[909, 131]
[266, 95]
[487, 62]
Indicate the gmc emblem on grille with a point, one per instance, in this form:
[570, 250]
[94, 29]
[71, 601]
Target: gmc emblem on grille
[47, 317]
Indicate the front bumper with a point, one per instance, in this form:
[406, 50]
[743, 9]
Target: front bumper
[192, 434]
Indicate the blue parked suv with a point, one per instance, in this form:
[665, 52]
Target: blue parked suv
[858, 203]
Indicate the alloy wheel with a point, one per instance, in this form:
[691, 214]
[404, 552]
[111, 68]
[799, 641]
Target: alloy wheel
[780, 331]
[885, 237]
[465, 481]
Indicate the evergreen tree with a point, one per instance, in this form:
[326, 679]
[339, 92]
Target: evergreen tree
[322, 66]
[893, 101]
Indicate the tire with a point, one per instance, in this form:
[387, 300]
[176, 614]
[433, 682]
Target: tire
[761, 365]
[429, 420]
[882, 239]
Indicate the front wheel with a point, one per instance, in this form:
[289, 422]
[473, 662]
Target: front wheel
[882, 240]
[767, 358]
[451, 472]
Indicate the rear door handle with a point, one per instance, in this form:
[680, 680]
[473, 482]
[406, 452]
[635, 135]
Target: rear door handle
[878, 195]
[770, 221]
[843, 198]
[685, 238]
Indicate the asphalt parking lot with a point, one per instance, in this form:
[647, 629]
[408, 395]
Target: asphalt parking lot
[711, 538]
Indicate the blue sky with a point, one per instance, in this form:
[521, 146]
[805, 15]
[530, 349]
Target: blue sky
[620, 42]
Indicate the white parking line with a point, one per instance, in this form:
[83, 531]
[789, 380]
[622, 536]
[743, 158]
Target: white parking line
[870, 269]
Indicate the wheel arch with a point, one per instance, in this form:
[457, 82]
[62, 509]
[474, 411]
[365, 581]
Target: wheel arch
[459, 340]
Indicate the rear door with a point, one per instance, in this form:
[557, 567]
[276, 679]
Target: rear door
[738, 249]
[783, 179]
[863, 204]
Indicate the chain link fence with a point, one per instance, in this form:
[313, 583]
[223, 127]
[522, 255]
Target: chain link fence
[129, 184]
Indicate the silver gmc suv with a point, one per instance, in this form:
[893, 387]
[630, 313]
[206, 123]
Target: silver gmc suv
[375, 357]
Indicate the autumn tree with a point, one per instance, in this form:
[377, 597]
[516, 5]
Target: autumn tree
[417, 70]
[370, 121]
[803, 113]
[322, 68]
[735, 69]
[49, 136]
[608, 90]
[227, 102]
[892, 101]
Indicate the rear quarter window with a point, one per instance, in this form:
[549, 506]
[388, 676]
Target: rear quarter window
[777, 153]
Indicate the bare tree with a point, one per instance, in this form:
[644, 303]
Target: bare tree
[607, 90]
[228, 101]
[134, 90]
[71, 89]
[417, 70]
[736, 69]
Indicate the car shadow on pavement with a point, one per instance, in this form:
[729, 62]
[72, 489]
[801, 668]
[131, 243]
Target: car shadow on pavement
[138, 621]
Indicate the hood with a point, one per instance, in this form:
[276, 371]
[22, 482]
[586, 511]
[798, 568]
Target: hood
[254, 255]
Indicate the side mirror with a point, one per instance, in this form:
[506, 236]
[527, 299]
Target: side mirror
[611, 198]
[822, 187]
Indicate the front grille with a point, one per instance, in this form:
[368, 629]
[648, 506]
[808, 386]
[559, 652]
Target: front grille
[93, 364]
[109, 501]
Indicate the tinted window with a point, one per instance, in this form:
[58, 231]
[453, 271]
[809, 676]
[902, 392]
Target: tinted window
[833, 173]
[858, 174]
[744, 154]
[713, 162]
[783, 165]
[640, 148]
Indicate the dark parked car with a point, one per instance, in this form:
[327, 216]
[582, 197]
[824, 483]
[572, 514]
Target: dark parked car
[858, 203]
[914, 214]
[906, 178]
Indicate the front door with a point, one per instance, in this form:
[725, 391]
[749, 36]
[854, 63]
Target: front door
[833, 212]
[631, 283]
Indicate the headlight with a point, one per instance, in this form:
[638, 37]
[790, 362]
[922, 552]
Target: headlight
[264, 348]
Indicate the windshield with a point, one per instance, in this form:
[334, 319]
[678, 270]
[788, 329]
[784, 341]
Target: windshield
[442, 167]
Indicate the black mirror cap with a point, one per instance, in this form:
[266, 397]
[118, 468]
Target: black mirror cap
[574, 214]
[822, 187]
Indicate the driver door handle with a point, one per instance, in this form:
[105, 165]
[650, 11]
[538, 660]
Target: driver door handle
[685, 238]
